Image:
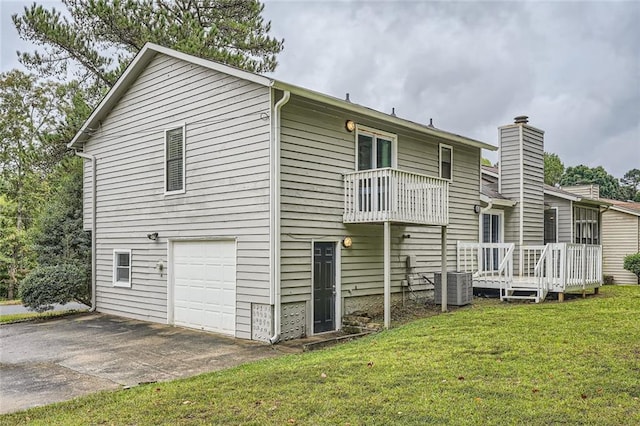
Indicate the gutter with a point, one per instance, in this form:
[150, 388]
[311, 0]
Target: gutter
[275, 248]
[93, 226]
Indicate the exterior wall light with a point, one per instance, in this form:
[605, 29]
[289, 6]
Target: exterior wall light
[476, 209]
[350, 125]
[153, 236]
[347, 242]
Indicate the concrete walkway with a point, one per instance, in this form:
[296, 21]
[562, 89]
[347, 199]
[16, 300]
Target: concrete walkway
[60, 359]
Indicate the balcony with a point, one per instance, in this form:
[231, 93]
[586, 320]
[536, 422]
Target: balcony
[391, 195]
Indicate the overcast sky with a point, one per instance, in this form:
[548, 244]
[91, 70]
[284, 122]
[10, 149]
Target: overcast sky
[572, 67]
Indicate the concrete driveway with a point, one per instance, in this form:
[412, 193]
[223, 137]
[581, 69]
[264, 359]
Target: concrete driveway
[57, 360]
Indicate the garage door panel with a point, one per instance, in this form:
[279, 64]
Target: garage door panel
[204, 285]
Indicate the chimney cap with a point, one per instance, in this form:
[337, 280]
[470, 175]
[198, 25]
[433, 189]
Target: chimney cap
[521, 119]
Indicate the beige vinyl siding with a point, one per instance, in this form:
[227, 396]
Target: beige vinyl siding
[510, 180]
[227, 183]
[316, 150]
[565, 225]
[521, 162]
[533, 175]
[620, 236]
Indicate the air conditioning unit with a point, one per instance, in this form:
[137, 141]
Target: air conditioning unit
[459, 288]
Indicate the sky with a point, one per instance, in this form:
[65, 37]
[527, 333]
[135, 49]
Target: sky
[572, 67]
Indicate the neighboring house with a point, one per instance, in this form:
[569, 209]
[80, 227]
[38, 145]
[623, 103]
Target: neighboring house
[620, 238]
[537, 220]
[227, 201]
[619, 228]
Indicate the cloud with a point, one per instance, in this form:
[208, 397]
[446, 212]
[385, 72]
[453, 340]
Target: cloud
[574, 68]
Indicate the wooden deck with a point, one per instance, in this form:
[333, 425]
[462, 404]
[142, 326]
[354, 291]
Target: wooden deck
[554, 268]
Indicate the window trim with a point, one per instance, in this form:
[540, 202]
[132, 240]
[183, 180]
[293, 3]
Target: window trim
[115, 282]
[184, 163]
[450, 148]
[375, 134]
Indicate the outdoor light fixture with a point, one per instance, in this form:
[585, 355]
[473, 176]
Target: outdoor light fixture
[476, 209]
[153, 236]
[350, 125]
[347, 242]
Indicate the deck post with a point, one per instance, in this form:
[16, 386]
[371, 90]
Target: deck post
[443, 256]
[387, 274]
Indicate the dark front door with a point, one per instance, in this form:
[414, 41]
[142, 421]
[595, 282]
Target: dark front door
[324, 286]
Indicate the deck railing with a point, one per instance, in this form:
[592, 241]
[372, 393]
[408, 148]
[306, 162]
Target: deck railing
[560, 267]
[393, 195]
[488, 262]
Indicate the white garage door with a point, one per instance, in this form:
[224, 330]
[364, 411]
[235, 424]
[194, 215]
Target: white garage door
[204, 275]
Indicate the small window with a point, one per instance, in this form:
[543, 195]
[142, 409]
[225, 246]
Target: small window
[122, 268]
[174, 160]
[446, 162]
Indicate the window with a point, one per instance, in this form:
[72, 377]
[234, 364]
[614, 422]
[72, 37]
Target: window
[551, 225]
[446, 162]
[122, 268]
[374, 149]
[586, 223]
[174, 160]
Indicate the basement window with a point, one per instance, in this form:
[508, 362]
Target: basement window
[122, 268]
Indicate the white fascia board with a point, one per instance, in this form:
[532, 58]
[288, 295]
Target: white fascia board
[497, 201]
[339, 103]
[561, 195]
[490, 173]
[135, 68]
[623, 210]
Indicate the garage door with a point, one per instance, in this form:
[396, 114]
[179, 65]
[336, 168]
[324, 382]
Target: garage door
[204, 274]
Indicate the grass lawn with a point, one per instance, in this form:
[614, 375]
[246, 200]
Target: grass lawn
[9, 318]
[576, 362]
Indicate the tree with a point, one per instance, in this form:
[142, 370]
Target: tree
[62, 247]
[485, 162]
[631, 185]
[100, 37]
[583, 175]
[553, 169]
[632, 264]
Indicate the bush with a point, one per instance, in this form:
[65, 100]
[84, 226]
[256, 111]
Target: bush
[632, 264]
[48, 285]
[607, 279]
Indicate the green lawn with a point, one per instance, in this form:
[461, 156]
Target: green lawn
[576, 362]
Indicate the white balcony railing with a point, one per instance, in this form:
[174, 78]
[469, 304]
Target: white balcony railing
[382, 195]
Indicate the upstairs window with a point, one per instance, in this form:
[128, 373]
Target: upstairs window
[122, 268]
[446, 162]
[174, 160]
[375, 150]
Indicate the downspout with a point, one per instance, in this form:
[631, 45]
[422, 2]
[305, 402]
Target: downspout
[276, 214]
[93, 226]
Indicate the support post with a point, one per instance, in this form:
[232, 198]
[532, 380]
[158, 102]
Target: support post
[443, 256]
[387, 274]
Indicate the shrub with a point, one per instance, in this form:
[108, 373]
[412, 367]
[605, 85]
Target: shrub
[632, 264]
[48, 285]
[607, 279]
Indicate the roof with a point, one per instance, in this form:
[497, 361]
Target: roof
[494, 195]
[629, 207]
[150, 50]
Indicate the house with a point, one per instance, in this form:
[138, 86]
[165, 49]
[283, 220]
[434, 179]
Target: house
[227, 201]
[534, 238]
[620, 237]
